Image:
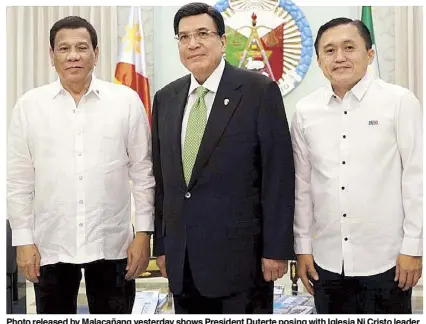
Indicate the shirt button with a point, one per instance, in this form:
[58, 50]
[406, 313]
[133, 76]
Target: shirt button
[81, 224]
[344, 136]
[343, 188]
[81, 201]
[343, 162]
[346, 112]
[188, 195]
[79, 154]
[346, 238]
[344, 215]
[80, 178]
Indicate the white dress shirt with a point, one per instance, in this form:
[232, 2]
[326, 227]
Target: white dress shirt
[359, 177]
[68, 172]
[212, 84]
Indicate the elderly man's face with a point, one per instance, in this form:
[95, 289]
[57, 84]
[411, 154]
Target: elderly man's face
[203, 49]
[73, 55]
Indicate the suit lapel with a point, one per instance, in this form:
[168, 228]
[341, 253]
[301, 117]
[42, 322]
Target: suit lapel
[177, 104]
[225, 102]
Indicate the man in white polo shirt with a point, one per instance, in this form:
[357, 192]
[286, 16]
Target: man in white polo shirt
[358, 157]
[73, 145]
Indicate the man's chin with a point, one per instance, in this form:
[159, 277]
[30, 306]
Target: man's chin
[198, 67]
[343, 78]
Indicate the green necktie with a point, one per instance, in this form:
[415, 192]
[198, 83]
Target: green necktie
[194, 132]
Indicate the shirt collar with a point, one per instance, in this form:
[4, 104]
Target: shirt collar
[94, 87]
[212, 82]
[358, 90]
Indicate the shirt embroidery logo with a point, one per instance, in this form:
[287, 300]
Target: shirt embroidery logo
[373, 122]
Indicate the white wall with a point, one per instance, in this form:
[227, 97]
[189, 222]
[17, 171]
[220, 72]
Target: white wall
[167, 66]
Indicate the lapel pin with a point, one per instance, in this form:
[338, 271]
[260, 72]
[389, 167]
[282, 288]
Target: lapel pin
[226, 102]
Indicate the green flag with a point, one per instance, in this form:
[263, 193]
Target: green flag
[367, 19]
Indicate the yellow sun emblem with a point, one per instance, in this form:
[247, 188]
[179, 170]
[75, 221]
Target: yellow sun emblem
[133, 38]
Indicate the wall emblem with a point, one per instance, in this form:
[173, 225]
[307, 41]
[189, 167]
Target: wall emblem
[271, 37]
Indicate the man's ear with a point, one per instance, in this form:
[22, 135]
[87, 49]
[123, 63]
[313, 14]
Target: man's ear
[223, 40]
[319, 61]
[52, 61]
[96, 55]
[371, 54]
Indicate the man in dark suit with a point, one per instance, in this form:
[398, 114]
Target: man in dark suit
[224, 171]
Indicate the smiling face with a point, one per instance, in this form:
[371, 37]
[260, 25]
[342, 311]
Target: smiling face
[202, 56]
[73, 55]
[343, 56]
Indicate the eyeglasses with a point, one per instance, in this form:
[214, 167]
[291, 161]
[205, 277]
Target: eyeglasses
[198, 35]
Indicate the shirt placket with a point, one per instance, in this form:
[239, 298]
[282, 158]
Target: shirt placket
[79, 174]
[344, 165]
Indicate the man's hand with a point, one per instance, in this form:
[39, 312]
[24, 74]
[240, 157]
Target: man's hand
[306, 270]
[408, 271]
[161, 263]
[273, 269]
[137, 256]
[28, 261]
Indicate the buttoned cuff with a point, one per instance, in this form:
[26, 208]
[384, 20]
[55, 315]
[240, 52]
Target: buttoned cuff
[303, 245]
[144, 223]
[412, 246]
[22, 237]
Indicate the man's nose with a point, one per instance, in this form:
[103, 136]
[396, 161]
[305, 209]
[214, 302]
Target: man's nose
[340, 55]
[73, 55]
[193, 43]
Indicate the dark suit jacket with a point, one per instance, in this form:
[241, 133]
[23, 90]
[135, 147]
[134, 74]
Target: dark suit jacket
[238, 206]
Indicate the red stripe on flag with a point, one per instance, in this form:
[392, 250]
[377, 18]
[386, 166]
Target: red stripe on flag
[126, 74]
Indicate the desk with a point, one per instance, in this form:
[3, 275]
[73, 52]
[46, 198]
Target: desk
[161, 284]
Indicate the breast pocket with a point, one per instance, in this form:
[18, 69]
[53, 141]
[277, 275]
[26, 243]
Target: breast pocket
[239, 136]
[323, 142]
[113, 143]
[378, 138]
[237, 146]
[48, 139]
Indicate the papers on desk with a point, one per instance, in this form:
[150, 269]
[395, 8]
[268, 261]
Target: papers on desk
[149, 302]
[279, 290]
[294, 305]
[301, 310]
[145, 302]
[162, 300]
[154, 302]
